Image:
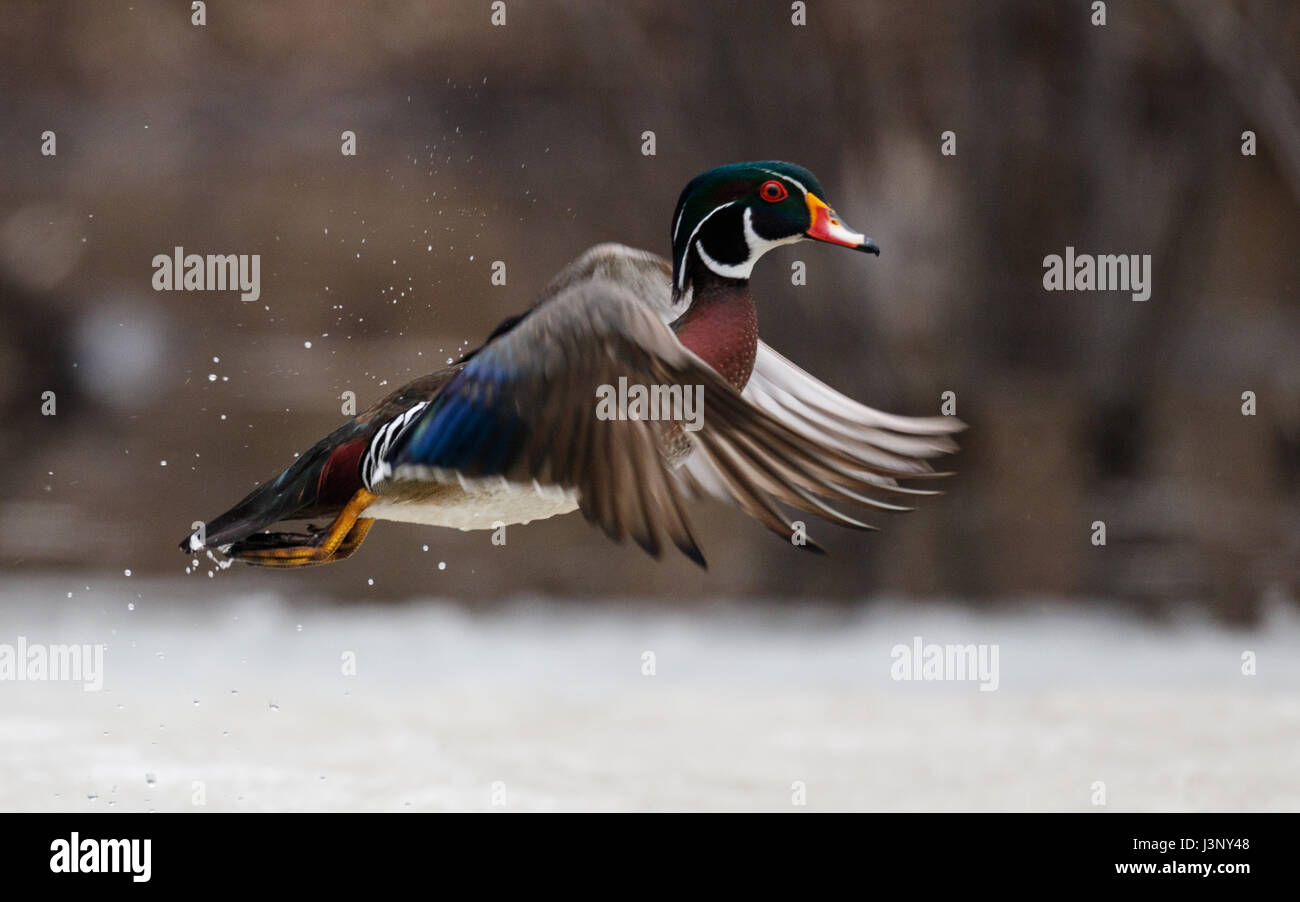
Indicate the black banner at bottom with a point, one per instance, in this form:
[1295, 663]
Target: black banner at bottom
[925, 851]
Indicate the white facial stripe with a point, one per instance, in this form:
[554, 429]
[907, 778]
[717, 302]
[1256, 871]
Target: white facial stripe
[786, 178]
[727, 271]
[755, 246]
[754, 240]
[681, 265]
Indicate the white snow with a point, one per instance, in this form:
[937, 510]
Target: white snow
[247, 696]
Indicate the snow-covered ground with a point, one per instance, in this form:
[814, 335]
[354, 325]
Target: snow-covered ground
[242, 702]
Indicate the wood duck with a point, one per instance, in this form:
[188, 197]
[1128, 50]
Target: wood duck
[511, 433]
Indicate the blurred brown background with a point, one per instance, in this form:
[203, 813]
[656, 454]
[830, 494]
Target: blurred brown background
[523, 144]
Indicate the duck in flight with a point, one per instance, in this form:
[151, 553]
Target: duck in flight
[511, 433]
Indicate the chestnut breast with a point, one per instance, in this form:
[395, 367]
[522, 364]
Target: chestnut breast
[721, 326]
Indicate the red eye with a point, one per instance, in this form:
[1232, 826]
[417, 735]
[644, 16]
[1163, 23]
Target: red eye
[773, 192]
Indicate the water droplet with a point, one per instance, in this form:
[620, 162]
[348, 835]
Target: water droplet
[274, 706]
[442, 565]
[150, 780]
[126, 572]
[130, 605]
[300, 627]
[306, 344]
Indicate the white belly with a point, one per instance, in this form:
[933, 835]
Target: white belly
[481, 504]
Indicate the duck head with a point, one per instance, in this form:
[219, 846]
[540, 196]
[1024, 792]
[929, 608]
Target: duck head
[728, 217]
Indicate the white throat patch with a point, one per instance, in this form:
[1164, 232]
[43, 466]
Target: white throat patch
[755, 244]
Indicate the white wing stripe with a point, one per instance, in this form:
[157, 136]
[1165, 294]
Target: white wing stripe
[375, 467]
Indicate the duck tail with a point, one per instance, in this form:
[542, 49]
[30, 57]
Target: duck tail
[311, 487]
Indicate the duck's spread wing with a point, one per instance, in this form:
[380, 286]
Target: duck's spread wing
[870, 449]
[902, 445]
[525, 409]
